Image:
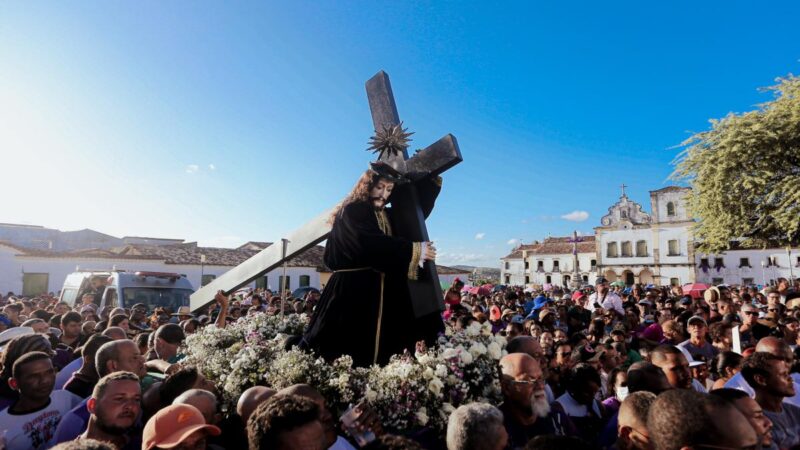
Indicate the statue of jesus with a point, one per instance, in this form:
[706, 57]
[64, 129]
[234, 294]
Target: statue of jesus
[365, 310]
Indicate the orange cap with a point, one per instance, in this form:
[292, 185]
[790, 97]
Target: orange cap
[171, 425]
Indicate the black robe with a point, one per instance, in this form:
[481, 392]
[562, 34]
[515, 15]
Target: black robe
[369, 266]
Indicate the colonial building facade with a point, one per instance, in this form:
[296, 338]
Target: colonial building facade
[657, 248]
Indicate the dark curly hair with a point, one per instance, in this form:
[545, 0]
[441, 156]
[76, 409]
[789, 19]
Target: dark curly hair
[359, 193]
[279, 414]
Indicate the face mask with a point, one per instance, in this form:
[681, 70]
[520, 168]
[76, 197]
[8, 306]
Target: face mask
[622, 392]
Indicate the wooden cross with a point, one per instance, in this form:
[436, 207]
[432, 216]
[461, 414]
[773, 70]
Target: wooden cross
[426, 293]
[623, 186]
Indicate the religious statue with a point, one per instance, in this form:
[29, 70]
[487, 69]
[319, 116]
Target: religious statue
[366, 310]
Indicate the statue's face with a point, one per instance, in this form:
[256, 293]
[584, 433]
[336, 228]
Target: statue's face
[380, 193]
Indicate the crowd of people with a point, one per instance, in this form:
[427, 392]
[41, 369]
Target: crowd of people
[640, 367]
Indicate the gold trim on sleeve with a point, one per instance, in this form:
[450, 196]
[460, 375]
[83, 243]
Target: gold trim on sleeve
[416, 254]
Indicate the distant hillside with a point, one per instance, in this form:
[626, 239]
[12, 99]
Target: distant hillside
[484, 273]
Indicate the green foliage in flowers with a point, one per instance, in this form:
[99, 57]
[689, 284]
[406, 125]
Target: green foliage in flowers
[411, 391]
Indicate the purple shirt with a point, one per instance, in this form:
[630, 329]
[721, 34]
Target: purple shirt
[73, 423]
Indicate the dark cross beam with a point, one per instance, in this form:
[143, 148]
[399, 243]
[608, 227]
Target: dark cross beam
[435, 159]
[409, 221]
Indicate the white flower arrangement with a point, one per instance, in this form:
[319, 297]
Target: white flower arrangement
[409, 392]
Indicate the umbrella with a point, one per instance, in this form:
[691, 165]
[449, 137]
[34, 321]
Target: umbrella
[618, 283]
[498, 288]
[695, 289]
[479, 290]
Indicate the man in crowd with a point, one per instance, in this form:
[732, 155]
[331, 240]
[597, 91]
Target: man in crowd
[768, 375]
[169, 337]
[526, 412]
[604, 298]
[632, 421]
[115, 405]
[697, 344]
[683, 418]
[476, 426]
[83, 380]
[30, 422]
[752, 411]
[674, 365]
[71, 330]
[286, 422]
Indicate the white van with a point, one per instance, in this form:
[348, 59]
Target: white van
[125, 289]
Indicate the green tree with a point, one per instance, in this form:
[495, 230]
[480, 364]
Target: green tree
[745, 174]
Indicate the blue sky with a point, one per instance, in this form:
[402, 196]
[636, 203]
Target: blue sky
[223, 123]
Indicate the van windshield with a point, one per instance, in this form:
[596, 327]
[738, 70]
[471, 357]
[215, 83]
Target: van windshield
[157, 297]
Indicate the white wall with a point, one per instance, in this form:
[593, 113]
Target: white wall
[515, 271]
[632, 236]
[733, 274]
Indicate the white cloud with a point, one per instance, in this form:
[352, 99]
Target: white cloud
[576, 216]
[212, 167]
[513, 242]
[480, 236]
[192, 168]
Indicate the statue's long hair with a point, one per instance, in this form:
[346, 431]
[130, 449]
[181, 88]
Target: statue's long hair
[359, 193]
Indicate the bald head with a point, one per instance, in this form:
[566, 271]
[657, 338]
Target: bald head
[645, 376]
[525, 344]
[774, 346]
[251, 398]
[201, 399]
[516, 364]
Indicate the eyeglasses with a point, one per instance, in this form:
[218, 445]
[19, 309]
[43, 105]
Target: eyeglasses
[527, 383]
[751, 313]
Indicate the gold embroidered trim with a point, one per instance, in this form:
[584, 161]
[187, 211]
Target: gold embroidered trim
[416, 253]
[380, 317]
[383, 222]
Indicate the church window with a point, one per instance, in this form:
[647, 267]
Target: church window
[262, 283]
[611, 250]
[305, 280]
[744, 262]
[527, 265]
[207, 278]
[507, 265]
[288, 282]
[548, 279]
[527, 279]
[716, 281]
[556, 268]
[641, 248]
[670, 209]
[626, 249]
[673, 248]
[586, 278]
[594, 265]
[747, 281]
[508, 279]
[623, 214]
[540, 266]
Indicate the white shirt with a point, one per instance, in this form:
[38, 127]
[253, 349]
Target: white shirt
[612, 301]
[574, 409]
[738, 382]
[36, 430]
